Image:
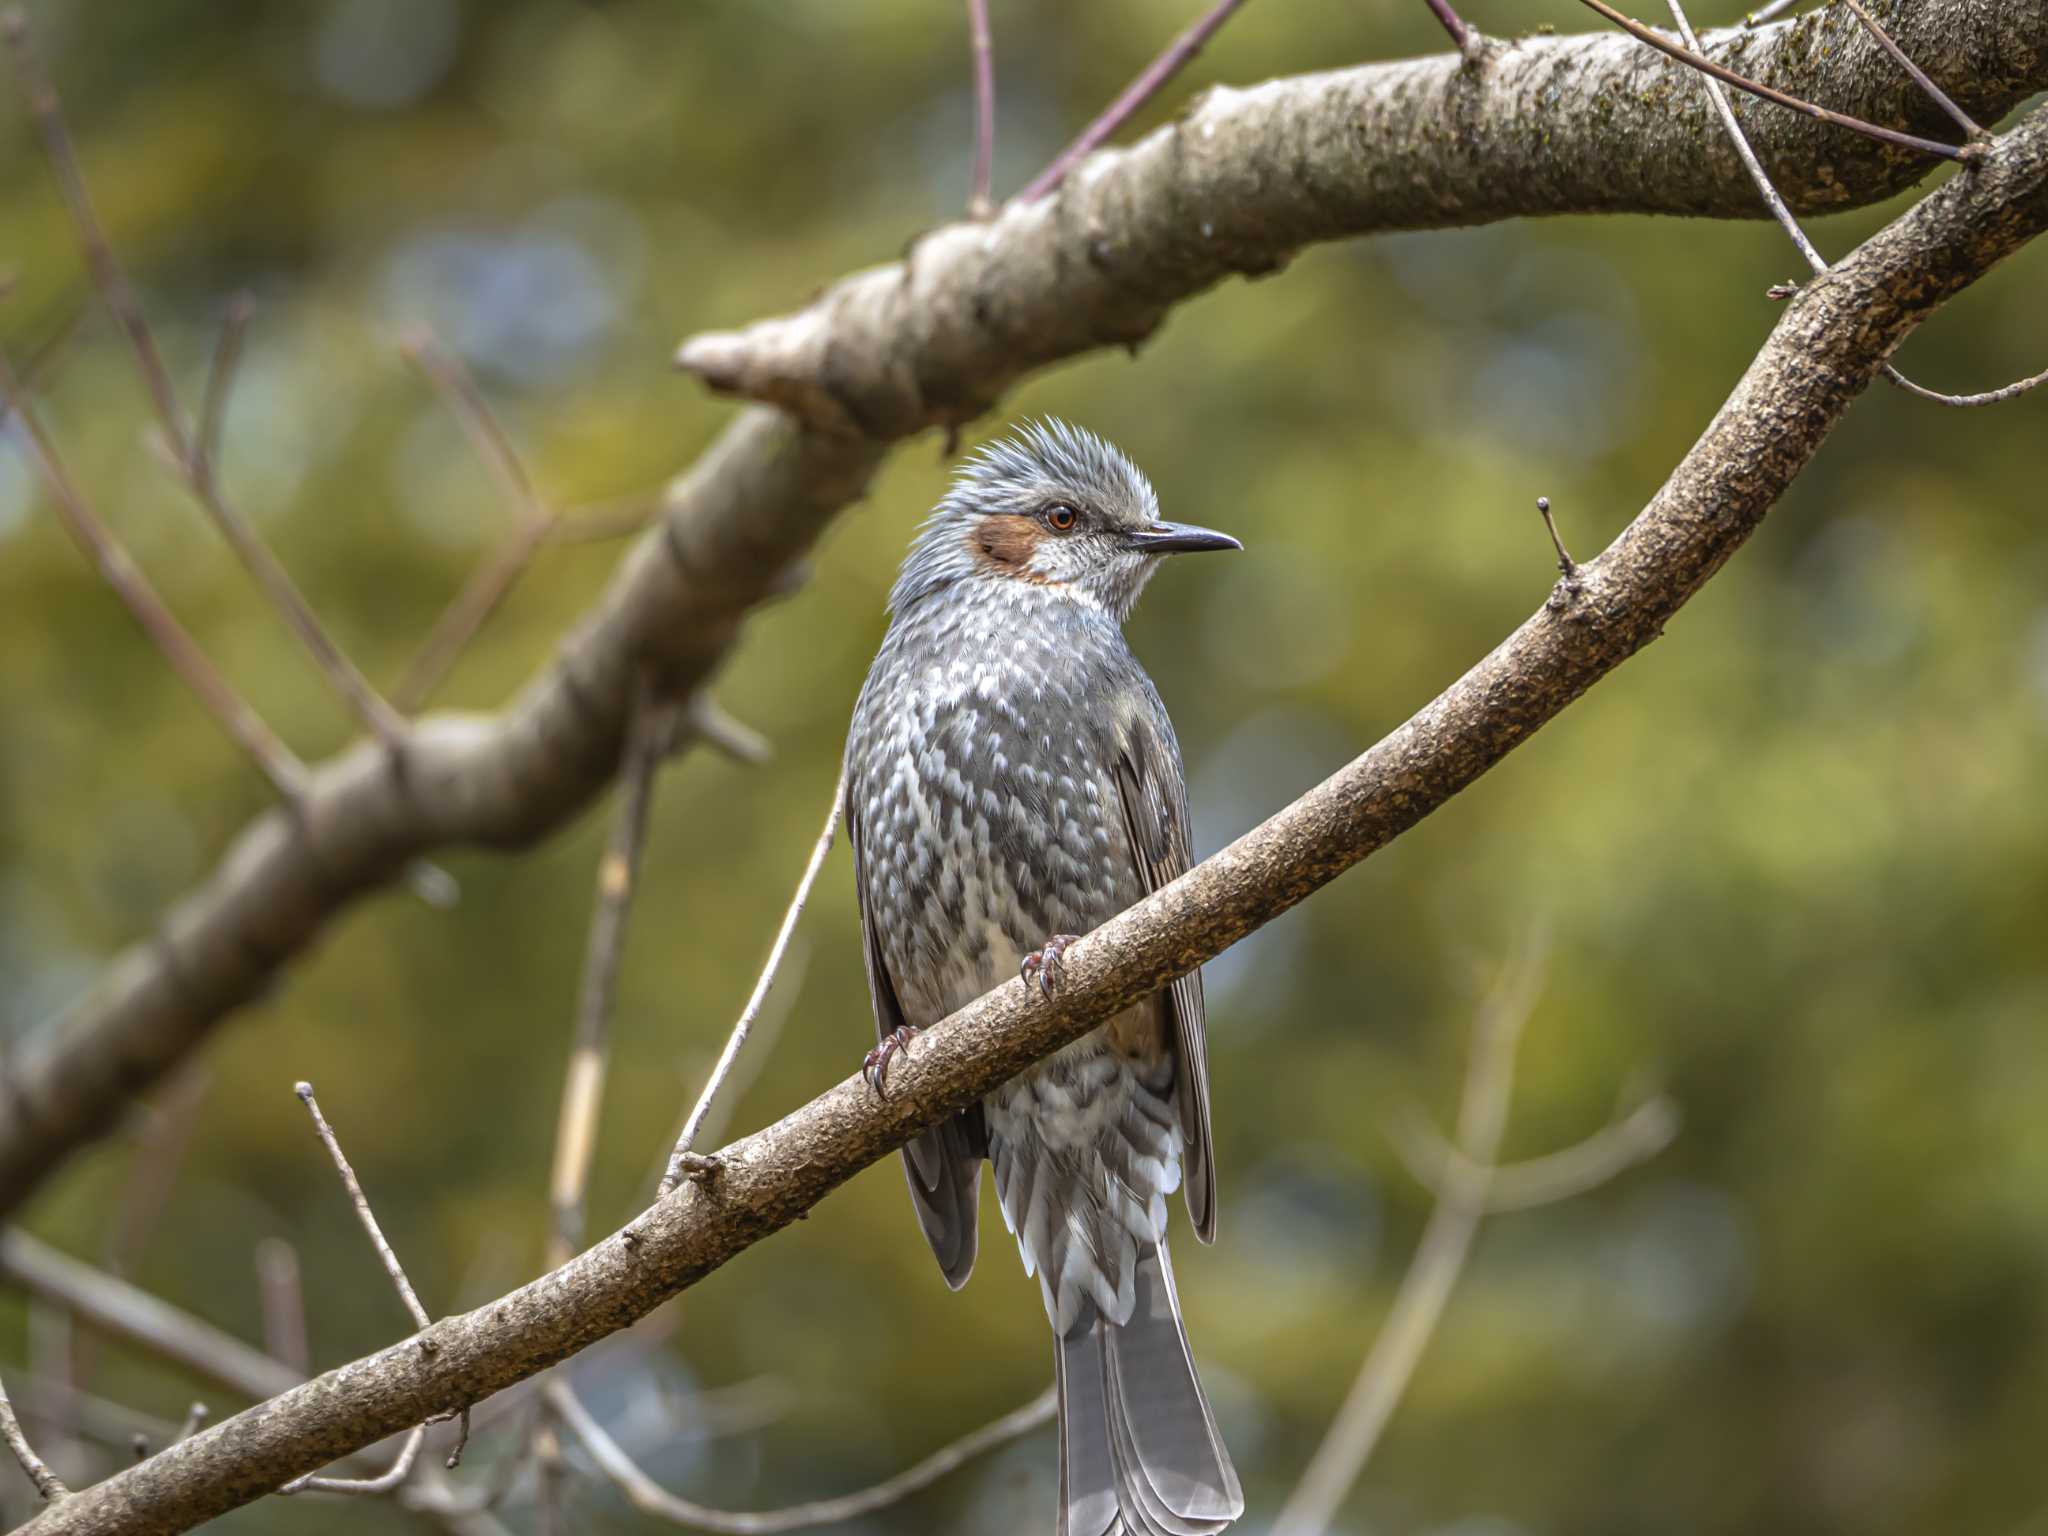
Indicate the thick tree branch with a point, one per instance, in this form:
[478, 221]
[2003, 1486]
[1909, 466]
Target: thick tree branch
[1546, 126]
[1244, 179]
[1828, 345]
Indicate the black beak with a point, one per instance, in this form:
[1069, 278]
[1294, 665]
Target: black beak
[1179, 539]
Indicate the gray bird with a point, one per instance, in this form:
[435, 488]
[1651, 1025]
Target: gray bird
[1013, 780]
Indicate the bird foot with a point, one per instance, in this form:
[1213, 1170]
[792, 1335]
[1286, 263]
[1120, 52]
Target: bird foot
[1047, 966]
[874, 1067]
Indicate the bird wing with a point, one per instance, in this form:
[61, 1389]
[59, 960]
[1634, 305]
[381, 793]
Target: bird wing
[1155, 804]
[943, 1164]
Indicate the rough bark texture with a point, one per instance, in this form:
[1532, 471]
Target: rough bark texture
[1824, 351]
[1547, 125]
[1590, 124]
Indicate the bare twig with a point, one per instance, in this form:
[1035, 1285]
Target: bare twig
[1135, 95]
[107, 275]
[978, 204]
[1989, 397]
[383, 1483]
[1919, 76]
[1721, 72]
[706, 720]
[1453, 23]
[195, 1420]
[1791, 226]
[48, 1484]
[1446, 1240]
[283, 1302]
[618, 878]
[680, 1160]
[495, 577]
[227, 355]
[1565, 567]
[92, 535]
[1771, 12]
[159, 1154]
[1616, 1147]
[651, 1498]
[597, 521]
[363, 1212]
[194, 458]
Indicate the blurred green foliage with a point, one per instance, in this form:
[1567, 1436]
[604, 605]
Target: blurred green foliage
[1795, 857]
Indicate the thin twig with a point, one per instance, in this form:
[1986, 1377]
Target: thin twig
[282, 1300]
[227, 355]
[107, 275]
[706, 720]
[159, 1153]
[1439, 1258]
[1453, 23]
[1135, 95]
[1565, 565]
[363, 1212]
[1616, 1147]
[487, 586]
[48, 1484]
[600, 521]
[195, 1420]
[194, 459]
[1807, 249]
[1988, 397]
[1706, 65]
[1919, 76]
[382, 1483]
[978, 204]
[681, 1156]
[92, 535]
[618, 880]
[651, 1498]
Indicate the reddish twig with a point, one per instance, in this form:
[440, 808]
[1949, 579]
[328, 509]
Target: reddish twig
[978, 204]
[1919, 76]
[1135, 95]
[1452, 22]
[1807, 249]
[487, 587]
[1720, 72]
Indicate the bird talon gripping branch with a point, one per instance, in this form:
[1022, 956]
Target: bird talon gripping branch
[1048, 966]
[874, 1067]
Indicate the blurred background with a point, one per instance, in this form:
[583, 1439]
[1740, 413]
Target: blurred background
[1794, 858]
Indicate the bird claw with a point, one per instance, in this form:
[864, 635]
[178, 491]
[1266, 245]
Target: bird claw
[1048, 966]
[874, 1067]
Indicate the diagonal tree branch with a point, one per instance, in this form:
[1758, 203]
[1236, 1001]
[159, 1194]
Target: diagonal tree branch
[1547, 126]
[1826, 348]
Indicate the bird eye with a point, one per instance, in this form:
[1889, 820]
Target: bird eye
[1060, 517]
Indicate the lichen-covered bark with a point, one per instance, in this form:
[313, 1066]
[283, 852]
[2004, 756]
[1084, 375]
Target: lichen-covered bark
[1545, 125]
[1824, 351]
[1245, 178]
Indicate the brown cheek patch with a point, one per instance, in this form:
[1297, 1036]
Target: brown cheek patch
[1006, 543]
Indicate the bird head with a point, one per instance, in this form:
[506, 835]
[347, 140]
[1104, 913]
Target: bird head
[1052, 508]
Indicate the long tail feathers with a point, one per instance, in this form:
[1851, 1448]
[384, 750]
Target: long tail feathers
[1139, 1451]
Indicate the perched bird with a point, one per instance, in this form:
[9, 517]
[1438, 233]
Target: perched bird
[1012, 781]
